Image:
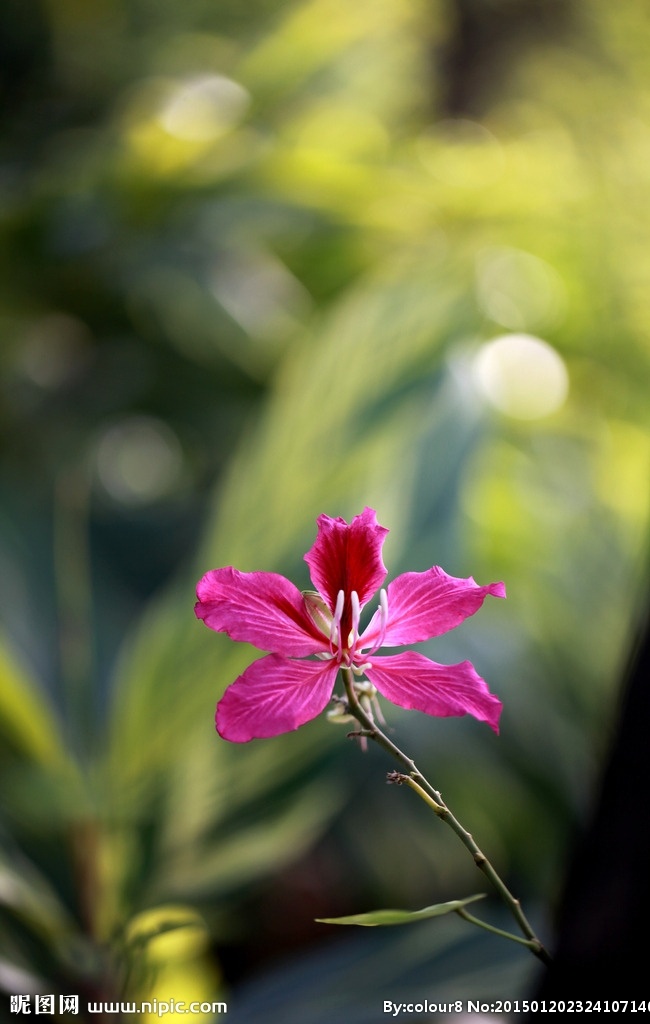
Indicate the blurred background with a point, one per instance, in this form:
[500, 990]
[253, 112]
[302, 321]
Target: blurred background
[260, 262]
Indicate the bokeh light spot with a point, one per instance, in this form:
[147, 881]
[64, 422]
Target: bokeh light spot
[522, 376]
[56, 350]
[201, 108]
[519, 290]
[139, 460]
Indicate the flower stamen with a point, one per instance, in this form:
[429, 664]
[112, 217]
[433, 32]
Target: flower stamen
[353, 635]
[335, 628]
[383, 620]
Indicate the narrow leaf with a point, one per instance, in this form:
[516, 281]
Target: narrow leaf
[385, 917]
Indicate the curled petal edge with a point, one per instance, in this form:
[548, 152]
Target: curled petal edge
[415, 682]
[422, 605]
[348, 556]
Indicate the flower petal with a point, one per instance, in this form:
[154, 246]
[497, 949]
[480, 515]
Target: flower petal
[347, 557]
[425, 604]
[274, 695]
[260, 608]
[413, 681]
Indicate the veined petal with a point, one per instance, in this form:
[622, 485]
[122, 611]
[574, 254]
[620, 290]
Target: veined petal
[347, 557]
[274, 695]
[260, 608]
[413, 681]
[426, 604]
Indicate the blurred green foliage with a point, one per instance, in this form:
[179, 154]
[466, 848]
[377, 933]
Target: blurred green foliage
[251, 258]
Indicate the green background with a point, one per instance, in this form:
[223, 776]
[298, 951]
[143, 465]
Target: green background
[249, 257]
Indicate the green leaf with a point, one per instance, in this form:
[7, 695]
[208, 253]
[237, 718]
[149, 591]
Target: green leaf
[27, 723]
[385, 917]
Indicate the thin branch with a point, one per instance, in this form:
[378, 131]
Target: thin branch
[416, 781]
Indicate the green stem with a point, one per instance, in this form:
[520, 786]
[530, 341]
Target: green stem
[416, 781]
[496, 931]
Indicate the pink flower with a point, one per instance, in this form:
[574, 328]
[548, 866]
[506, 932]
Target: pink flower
[287, 687]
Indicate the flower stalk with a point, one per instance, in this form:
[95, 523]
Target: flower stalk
[420, 785]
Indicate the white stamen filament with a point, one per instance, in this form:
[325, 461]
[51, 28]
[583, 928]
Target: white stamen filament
[383, 604]
[356, 615]
[335, 629]
[383, 620]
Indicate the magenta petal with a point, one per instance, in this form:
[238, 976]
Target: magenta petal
[260, 608]
[426, 604]
[274, 695]
[413, 681]
[347, 557]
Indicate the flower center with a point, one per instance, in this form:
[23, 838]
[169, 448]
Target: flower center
[350, 654]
